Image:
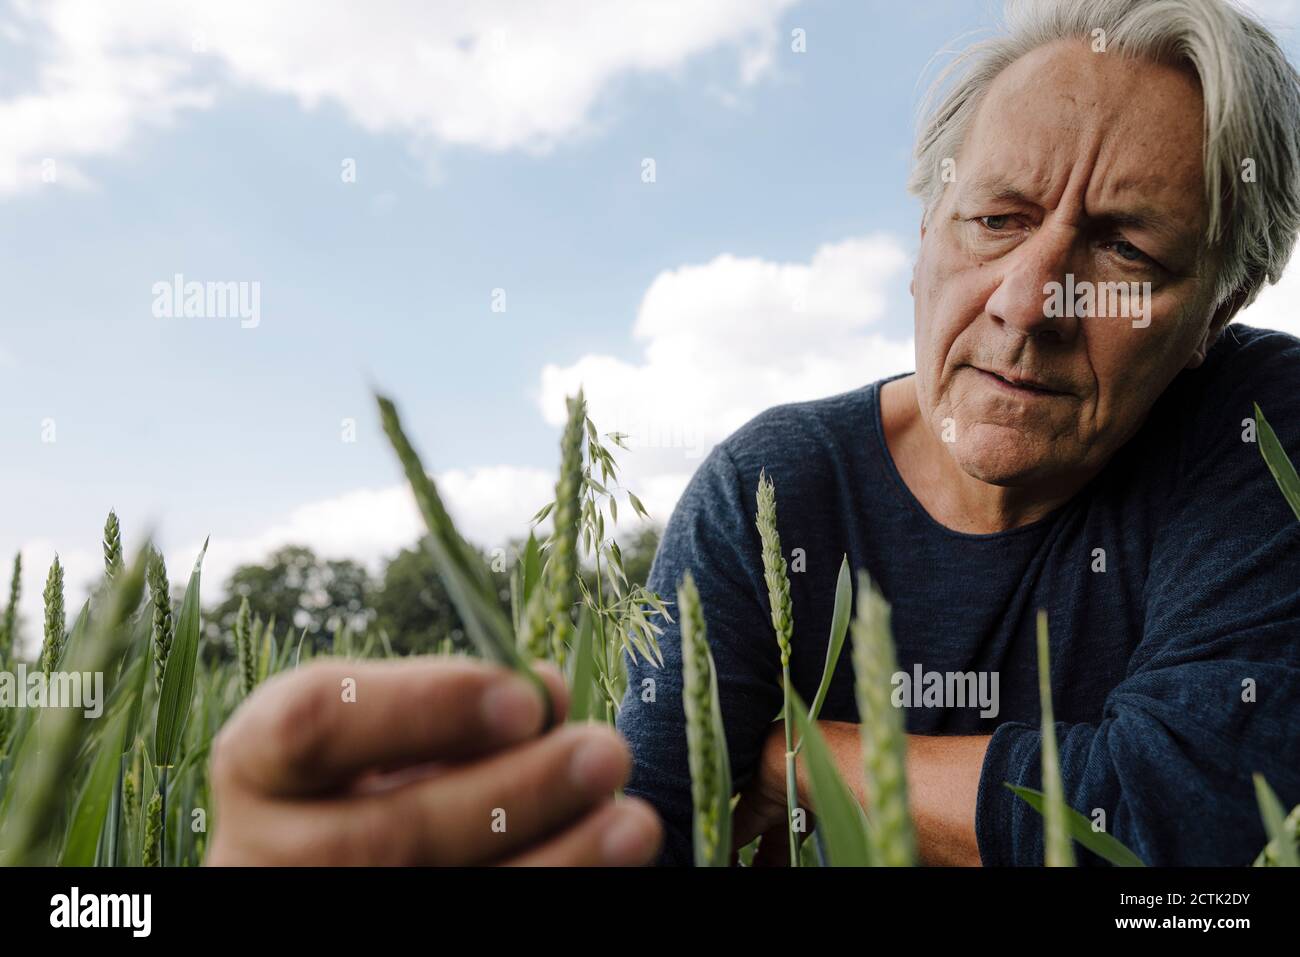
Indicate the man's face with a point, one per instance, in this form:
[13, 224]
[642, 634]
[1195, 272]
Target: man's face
[1077, 163]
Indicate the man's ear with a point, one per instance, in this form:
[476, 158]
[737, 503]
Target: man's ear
[1222, 316]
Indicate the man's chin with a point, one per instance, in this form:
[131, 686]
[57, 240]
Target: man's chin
[1004, 463]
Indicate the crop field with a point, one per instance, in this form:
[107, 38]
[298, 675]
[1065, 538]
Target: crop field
[129, 786]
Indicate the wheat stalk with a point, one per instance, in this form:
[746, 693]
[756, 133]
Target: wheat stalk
[55, 621]
[778, 596]
[1058, 849]
[884, 743]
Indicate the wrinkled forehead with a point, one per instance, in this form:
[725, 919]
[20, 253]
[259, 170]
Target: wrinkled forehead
[1115, 130]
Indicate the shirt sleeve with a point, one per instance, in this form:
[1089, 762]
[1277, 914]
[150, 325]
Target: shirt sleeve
[1212, 691]
[711, 533]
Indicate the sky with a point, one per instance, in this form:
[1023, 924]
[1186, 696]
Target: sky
[695, 209]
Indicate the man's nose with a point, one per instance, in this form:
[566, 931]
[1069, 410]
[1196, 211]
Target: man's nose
[1025, 301]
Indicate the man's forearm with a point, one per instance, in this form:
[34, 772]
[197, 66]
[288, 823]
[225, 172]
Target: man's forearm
[943, 775]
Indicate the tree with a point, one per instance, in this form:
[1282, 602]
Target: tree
[301, 591]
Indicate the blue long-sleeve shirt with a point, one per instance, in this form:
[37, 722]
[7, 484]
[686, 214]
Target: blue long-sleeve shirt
[1175, 670]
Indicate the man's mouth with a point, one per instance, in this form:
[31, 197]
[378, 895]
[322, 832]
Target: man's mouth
[1019, 383]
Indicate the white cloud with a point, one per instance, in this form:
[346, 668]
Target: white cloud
[727, 339]
[493, 74]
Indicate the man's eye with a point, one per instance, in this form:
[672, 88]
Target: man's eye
[995, 223]
[1128, 251]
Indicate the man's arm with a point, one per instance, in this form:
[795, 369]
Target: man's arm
[943, 777]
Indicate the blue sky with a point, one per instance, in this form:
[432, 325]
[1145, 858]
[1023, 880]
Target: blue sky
[208, 141]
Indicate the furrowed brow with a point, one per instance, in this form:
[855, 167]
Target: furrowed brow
[997, 189]
[1145, 218]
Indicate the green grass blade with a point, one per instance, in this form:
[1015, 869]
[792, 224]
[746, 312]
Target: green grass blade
[1270, 809]
[79, 627]
[839, 815]
[1105, 846]
[532, 566]
[839, 628]
[91, 813]
[1284, 472]
[135, 678]
[582, 680]
[1058, 850]
[177, 692]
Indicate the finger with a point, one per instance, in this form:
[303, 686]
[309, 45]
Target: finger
[559, 697]
[312, 729]
[624, 833]
[487, 810]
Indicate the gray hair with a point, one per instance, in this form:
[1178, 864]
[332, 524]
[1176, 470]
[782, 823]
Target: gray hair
[1252, 110]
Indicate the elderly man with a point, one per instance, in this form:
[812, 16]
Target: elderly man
[1047, 453]
[1100, 467]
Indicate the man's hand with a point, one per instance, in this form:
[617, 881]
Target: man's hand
[433, 761]
[943, 774]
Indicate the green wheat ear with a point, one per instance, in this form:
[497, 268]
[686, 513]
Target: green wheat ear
[55, 620]
[706, 740]
[163, 627]
[774, 568]
[884, 742]
[778, 596]
[153, 831]
[563, 563]
[112, 546]
[244, 650]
